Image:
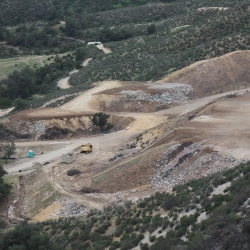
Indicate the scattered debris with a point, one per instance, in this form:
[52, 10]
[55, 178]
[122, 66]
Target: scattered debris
[31, 175]
[26, 127]
[170, 174]
[70, 208]
[36, 164]
[132, 145]
[173, 94]
[69, 157]
[116, 157]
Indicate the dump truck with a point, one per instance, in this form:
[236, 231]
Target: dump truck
[86, 148]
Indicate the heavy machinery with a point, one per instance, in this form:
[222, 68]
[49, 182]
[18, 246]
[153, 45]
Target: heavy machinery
[86, 148]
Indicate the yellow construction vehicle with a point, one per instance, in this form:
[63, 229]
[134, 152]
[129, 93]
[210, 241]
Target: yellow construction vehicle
[86, 148]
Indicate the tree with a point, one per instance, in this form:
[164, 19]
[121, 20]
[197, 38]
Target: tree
[151, 29]
[4, 188]
[2, 171]
[9, 150]
[101, 120]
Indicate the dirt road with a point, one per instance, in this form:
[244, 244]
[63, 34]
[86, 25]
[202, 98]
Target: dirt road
[105, 50]
[103, 145]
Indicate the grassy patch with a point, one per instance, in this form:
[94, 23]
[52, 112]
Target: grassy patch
[8, 65]
[179, 29]
[10, 179]
[46, 202]
[134, 161]
[100, 178]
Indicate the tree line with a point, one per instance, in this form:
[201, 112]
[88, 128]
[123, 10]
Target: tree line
[20, 85]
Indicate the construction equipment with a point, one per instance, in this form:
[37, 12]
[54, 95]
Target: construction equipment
[86, 148]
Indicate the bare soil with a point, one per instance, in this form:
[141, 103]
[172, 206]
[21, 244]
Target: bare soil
[217, 75]
[4, 112]
[223, 126]
[104, 49]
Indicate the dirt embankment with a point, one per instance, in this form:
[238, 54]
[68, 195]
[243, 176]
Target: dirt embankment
[65, 127]
[220, 74]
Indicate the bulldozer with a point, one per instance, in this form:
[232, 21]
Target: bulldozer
[86, 148]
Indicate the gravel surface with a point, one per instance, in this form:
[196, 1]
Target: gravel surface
[171, 94]
[70, 208]
[169, 174]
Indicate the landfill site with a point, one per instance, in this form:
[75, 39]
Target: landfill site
[163, 134]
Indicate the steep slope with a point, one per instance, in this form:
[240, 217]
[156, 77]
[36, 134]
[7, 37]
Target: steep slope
[220, 74]
[212, 213]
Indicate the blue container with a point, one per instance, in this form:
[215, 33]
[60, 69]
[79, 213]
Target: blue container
[31, 154]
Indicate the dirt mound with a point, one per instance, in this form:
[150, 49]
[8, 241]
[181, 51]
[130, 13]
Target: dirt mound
[220, 74]
[142, 97]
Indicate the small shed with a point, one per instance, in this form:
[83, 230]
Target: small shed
[31, 154]
[69, 157]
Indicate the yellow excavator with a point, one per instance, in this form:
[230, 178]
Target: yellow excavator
[86, 148]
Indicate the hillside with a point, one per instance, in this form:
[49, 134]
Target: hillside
[209, 213]
[148, 39]
[221, 74]
[160, 89]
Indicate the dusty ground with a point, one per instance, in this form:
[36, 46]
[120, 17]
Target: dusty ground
[64, 82]
[104, 49]
[4, 112]
[208, 77]
[86, 62]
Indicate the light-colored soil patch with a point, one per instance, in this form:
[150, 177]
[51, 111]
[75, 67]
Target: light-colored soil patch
[81, 103]
[213, 8]
[202, 216]
[104, 49]
[4, 112]
[220, 189]
[144, 122]
[86, 62]
[61, 98]
[190, 212]
[64, 83]
[206, 118]
[46, 213]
